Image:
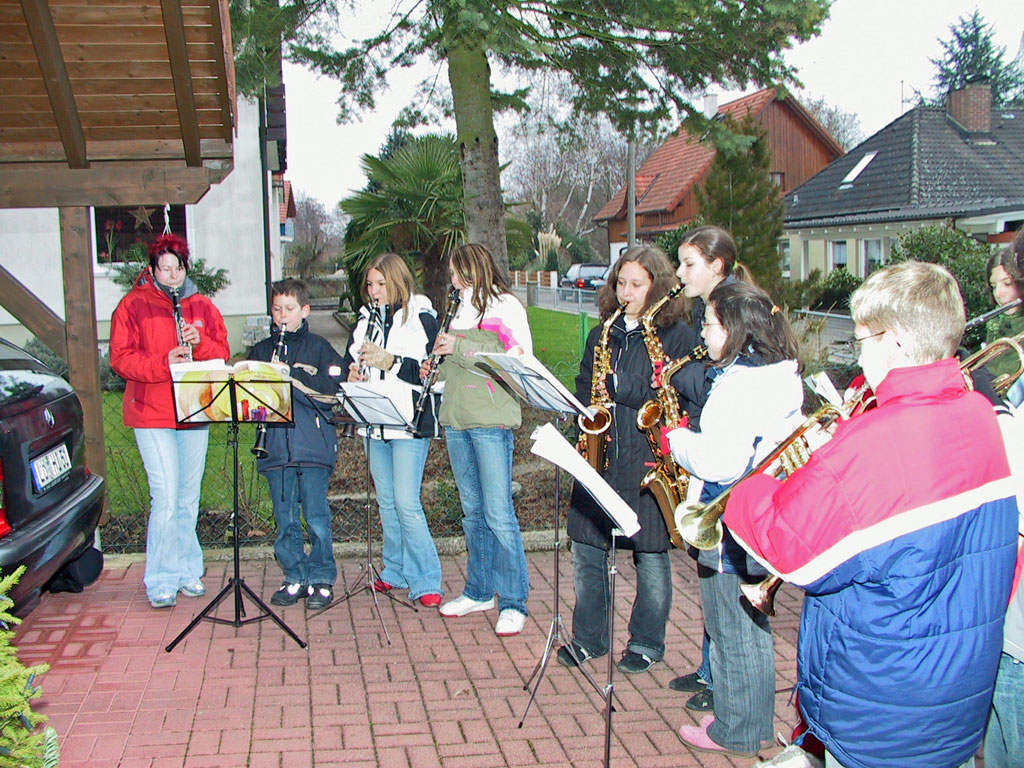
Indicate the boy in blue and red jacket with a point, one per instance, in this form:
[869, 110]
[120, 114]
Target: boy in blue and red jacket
[902, 532]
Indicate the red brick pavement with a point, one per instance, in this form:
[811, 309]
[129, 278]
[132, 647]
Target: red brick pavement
[445, 693]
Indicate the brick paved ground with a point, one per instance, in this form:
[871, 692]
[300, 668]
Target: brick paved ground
[445, 693]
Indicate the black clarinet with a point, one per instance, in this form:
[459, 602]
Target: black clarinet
[375, 325]
[259, 450]
[982, 319]
[434, 361]
[179, 322]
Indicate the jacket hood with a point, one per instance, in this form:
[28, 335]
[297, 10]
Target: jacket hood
[146, 280]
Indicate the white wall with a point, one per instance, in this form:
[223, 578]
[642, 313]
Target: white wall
[224, 228]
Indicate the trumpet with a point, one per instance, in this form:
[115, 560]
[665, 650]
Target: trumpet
[259, 449]
[593, 442]
[179, 321]
[989, 353]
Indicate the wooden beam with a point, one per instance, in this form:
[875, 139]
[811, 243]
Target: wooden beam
[80, 327]
[55, 75]
[50, 187]
[177, 50]
[33, 314]
[156, 150]
[224, 90]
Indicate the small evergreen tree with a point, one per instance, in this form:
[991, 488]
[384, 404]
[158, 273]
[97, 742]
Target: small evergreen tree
[739, 195]
[970, 55]
[22, 744]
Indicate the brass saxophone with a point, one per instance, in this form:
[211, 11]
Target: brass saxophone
[593, 442]
[667, 481]
[179, 321]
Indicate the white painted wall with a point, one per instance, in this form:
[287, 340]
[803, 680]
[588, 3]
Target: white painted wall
[224, 228]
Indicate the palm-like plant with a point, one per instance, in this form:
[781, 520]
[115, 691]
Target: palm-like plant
[412, 206]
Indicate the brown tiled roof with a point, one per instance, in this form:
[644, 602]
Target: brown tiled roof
[678, 164]
[287, 202]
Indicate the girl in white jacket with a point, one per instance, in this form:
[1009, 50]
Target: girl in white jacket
[753, 404]
[388, 352]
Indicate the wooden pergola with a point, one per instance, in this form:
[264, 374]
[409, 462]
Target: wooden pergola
[106, 103]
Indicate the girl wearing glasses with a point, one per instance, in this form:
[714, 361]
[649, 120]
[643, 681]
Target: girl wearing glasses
[753, 403]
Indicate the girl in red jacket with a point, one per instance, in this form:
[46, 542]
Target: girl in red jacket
[143, 345]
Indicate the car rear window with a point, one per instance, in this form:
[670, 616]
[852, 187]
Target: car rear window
[595, 271]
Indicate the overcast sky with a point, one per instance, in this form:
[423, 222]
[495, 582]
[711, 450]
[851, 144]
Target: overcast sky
[870, 54]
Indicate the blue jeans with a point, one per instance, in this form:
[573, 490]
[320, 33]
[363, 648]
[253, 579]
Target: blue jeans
[481, 461]
[1004, 738]
[305, 487]
[704, 670]
[650, 607]
[410, 557]
[742, 663]
[174, 460]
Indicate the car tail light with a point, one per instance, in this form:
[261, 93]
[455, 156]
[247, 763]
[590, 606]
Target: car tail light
[579, 283]
[5, 527]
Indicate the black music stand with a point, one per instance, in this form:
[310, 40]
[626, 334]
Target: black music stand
[246, 405]
[537, 386]
[370, 408]
[549, 444]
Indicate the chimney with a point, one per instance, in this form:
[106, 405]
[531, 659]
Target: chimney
[710, 104]
[971, 107]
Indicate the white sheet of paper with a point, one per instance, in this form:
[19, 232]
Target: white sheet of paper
[549, 444]
[379, 403]
[822, 385]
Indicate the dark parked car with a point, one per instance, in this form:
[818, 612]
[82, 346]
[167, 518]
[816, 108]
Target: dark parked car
[50, 503]
[580, 277]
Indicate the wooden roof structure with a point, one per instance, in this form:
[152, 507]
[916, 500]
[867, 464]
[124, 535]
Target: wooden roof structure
[106, 103]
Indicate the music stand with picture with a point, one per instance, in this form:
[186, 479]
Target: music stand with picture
[248, 392]
[370, 408]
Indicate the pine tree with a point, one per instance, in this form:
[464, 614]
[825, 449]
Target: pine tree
[971, 56]
[22, 744]
[739, 195]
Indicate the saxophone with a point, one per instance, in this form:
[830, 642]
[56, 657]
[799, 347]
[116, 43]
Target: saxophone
[593, 442]
[666, 480]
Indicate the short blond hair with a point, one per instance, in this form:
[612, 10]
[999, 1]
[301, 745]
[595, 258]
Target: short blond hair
[919, 299]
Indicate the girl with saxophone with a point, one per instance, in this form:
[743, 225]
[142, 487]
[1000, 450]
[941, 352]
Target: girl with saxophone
[396, 328]
[620, 382]
[478, 416]
[145, 340]
[755, 397]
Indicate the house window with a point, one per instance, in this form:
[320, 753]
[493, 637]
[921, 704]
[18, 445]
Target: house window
[124, 234]
[873, 256]
[837, 254]
[805, 259]
[784, 257]
[778, 179]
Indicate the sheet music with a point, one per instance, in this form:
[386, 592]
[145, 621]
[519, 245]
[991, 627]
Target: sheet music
[549, 444]
[533, 382]
[373, 404]
[822, 385]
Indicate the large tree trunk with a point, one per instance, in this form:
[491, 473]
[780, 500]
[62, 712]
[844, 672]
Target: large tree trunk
[469, 75]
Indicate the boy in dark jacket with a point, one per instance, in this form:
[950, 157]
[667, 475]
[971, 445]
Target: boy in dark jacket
[301, 456]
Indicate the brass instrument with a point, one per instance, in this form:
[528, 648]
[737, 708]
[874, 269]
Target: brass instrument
[434, 360]
[259, 449]
[666, 480]
[179, 321]
[593, 442]
[987, 354]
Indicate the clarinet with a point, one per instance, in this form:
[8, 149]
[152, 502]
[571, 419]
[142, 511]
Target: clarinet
[374, 331]
[259, 450]
[982, 319]
[434, 361]
[179, 321]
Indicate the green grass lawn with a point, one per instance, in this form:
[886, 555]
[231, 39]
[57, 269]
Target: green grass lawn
[557, 340]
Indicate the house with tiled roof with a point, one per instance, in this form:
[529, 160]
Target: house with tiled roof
[666, 183]
[962, 163]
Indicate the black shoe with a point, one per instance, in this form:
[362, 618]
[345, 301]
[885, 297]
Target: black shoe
[702, 701]
[319, 596]
[634, 663]
[564, 657]
[687, 683]
[288, 594]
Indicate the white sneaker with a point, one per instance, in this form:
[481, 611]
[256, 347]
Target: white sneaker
[463, 606]
[792, 757]
[510, 622]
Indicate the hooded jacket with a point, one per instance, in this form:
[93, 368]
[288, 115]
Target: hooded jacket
[143, 331]
[312, 439]
[902, 532]
[629, 454]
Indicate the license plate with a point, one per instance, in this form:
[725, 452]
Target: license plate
[50, 467]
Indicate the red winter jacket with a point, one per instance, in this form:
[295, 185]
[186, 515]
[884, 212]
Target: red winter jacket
[143, 332]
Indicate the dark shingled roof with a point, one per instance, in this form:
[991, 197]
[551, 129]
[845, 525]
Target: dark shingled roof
[927, 167]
